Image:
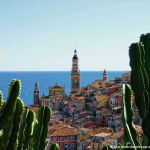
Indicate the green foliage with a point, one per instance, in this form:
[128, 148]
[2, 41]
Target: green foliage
[19, 129]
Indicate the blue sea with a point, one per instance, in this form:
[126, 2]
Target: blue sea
[46, 79]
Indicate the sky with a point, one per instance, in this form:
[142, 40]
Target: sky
[41, 35]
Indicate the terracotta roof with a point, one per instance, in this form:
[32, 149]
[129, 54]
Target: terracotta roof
[79, 98]
[85, 112]
[79, 120]
[103, 134]
[66, 132]
[93, 132]
[117, 134]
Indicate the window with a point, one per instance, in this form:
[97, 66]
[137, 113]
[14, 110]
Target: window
[73, 147]
[66, 147]
[56, 138]
[72, 137]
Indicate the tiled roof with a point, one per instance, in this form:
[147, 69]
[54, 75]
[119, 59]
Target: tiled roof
[103, 134]
[117, 134]
[66, 132]
[93, 132]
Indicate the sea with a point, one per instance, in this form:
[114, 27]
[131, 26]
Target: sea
[48, 78]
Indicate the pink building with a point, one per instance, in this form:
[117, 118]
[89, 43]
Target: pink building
[67, 138]
[120, 100]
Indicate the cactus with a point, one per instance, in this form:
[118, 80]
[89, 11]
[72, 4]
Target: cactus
[33, 134]
[38, 128]
[28, 131]
[1, 100]
[46, 118]
[41, 128]
[9, 108]
[140, 80]
[54, 147]
[16, 120]
[7, 112]
[131, 135]
[19, 129]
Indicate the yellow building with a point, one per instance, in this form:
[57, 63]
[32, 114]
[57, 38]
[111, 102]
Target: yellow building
[56, 90]
[55, 97]
[102, 100]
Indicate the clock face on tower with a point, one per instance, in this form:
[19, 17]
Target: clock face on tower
[75, 83]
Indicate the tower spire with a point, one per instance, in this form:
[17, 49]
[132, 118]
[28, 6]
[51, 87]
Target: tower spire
[75, 54]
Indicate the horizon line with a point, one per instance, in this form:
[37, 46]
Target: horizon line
[59, 70]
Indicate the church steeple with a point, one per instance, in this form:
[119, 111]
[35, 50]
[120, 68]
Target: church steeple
[75, 54]
[75, 73]
[36, 94]
[75, 65]
[105, 75]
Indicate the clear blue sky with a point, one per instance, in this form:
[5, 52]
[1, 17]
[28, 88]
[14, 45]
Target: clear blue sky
[42, 34]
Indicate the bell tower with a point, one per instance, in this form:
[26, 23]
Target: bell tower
[75, 74]
[36, 94]
[104, 75]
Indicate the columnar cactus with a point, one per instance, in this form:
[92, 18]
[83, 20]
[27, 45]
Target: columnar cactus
[41, 128]
[7, 113]
[10, 106]
[54, 147]
[16, 121]
[130, 133]
[19, 129]
[28, 130]
[140, 79]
